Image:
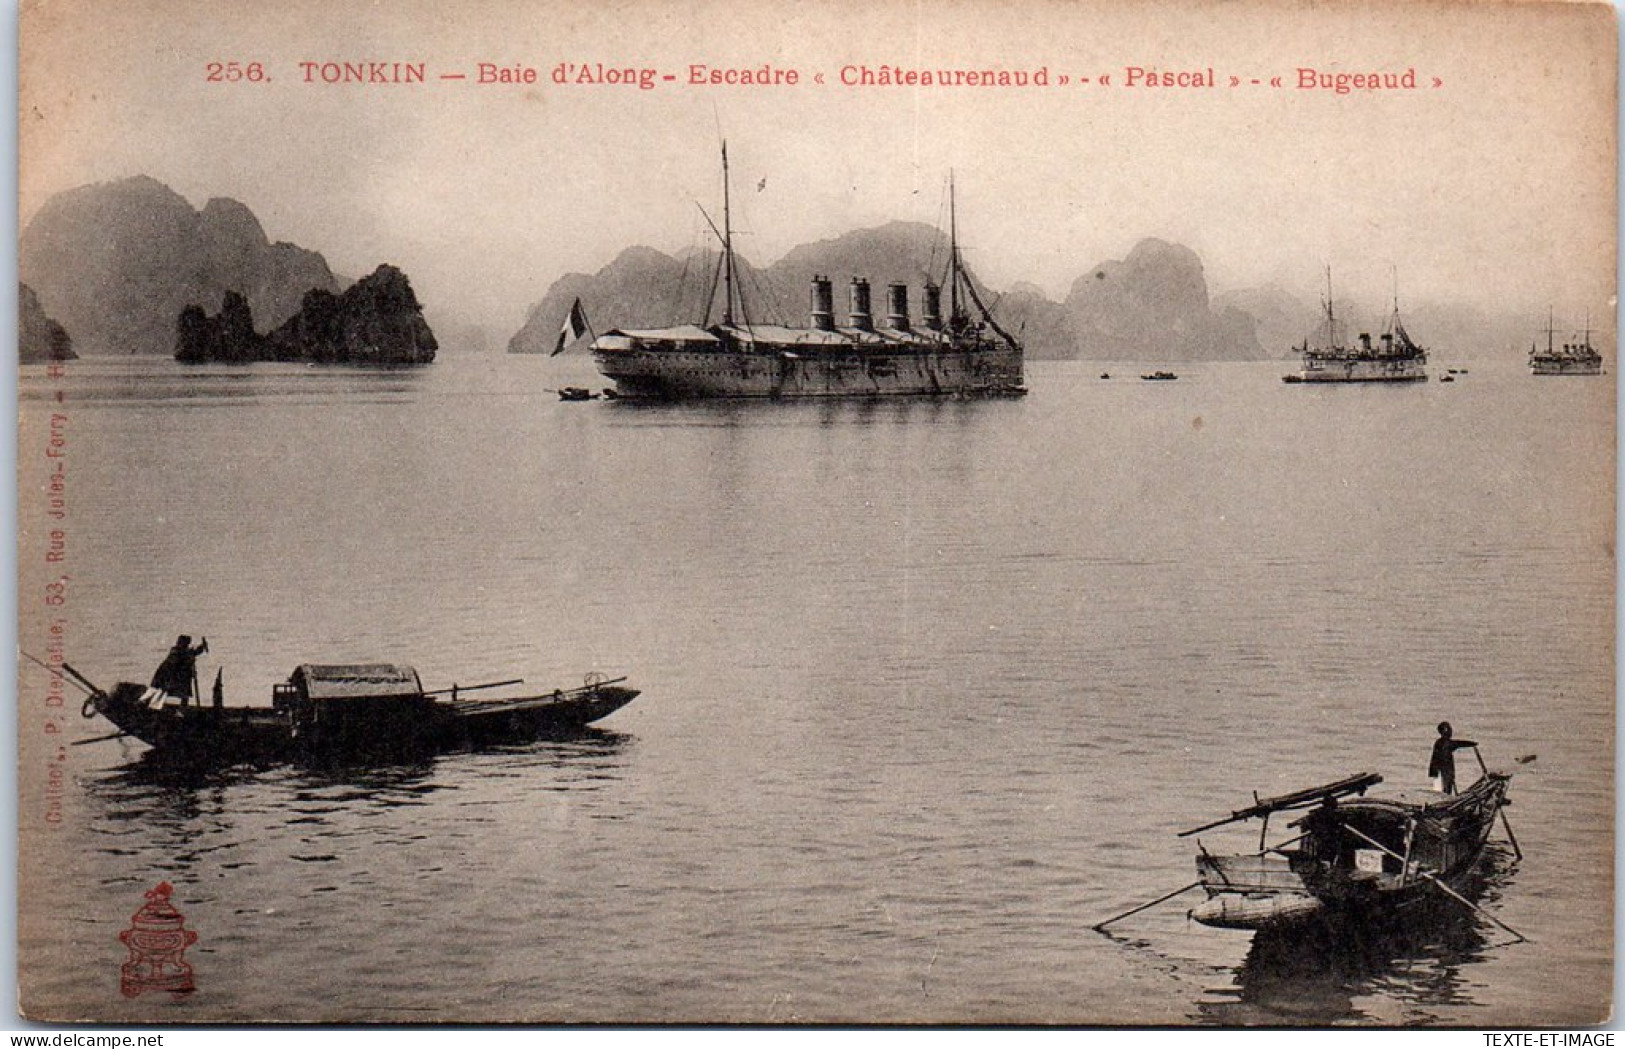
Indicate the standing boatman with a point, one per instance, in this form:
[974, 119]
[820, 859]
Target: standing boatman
[177, 673]
[1442, 766]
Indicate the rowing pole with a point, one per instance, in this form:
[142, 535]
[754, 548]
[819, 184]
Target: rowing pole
[1101, 927]
[78, 678]
[84, 683]
[471, 688]
[1516, 851]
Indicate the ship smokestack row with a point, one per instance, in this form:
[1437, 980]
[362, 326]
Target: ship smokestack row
[933, 306]
[897, 308]
[861, 318]
[823, 304]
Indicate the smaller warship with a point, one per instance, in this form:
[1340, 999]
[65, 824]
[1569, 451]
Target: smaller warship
[1395, 358]
[1572, 358]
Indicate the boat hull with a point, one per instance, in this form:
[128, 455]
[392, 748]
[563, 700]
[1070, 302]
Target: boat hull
[677, 375]
[197, 735]
[1565, 367]
[492, 724]
[1354, 370]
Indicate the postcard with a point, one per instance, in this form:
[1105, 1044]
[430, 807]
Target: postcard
[989, 513]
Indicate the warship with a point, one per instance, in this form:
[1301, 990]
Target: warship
[1572, 358]
[956, 354]
[1395, 359]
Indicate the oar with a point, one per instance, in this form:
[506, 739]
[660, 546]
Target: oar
[471, 688]
[1438, 884]
[1101, 927]
[99, 739]
[1505, 823]
[76, 678]
[84, 682]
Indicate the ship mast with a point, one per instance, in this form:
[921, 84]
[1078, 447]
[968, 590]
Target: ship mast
[727, 245]
[1331, 321]
[953, 258]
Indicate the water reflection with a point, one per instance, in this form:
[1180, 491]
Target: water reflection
[156, 774]
[1321, 976]
[159, 819]
[823, 411]
[119, 381]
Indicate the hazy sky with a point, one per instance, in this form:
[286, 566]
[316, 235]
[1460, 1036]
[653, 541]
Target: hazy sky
[1495, 188]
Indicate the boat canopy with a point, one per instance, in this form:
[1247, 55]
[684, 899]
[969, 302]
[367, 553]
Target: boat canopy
[779, 335]
[771, 336]
[355, 681]
[628, 338]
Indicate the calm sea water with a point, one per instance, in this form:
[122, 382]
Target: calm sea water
[929, 687]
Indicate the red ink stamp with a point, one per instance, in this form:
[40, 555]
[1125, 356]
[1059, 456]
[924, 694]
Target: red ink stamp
[157, 938]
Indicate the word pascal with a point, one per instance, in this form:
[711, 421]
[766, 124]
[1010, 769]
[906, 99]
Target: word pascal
[1139, 77]
[598, 73]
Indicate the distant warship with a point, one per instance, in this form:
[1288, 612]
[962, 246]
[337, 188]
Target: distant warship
[1572, 358]
[739, 357]
[1395, 359]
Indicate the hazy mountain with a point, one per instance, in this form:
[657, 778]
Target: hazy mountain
[1042, 324]
[457, 334]
[116, 262]
[1154, 306]
[1151, 306]
[39, 338]
[1281, 320]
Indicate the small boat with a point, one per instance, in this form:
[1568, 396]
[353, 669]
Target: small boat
[326, 710]
[576, 393]
[1359, 858]
[1159, 376]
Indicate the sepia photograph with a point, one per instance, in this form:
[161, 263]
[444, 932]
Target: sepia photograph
[1055, 513]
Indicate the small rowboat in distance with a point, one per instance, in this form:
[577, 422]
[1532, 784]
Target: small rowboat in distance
[348, 710]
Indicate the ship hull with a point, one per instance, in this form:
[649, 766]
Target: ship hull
[1360, 371]
[677, 375]
[1540, 367]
